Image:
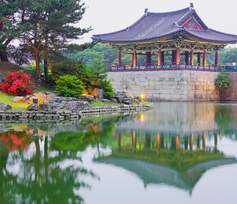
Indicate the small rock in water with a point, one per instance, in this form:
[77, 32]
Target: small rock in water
[33, 107]
[18, 99]
[5, 107]
[105, 100]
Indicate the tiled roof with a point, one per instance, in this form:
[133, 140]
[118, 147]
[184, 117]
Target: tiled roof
[156, 25]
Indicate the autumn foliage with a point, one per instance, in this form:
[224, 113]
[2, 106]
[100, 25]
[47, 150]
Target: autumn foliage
[17, 83]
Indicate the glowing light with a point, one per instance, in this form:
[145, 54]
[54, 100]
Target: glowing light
[141, 117]
[142, 97]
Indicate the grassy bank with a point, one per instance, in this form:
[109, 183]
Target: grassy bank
[7, 99]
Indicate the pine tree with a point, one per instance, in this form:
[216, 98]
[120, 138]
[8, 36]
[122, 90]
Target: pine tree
[50, 24]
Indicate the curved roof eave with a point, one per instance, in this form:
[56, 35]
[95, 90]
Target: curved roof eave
[141, 40]
[212, 40]
[168, 35]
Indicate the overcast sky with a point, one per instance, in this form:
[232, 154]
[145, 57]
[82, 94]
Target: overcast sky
[112, 15]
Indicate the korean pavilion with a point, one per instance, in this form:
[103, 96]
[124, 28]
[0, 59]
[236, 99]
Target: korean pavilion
[171, 40]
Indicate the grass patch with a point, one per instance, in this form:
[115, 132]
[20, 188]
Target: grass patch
[96, 103]
[8, 99]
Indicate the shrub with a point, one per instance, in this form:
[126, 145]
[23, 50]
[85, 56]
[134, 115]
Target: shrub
[69, 86]
[107, 88]
[17, 83]
[67, 67]
[223, 81]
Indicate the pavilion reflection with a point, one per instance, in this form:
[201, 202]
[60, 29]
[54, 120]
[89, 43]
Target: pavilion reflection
[160, 158]
[159, 141]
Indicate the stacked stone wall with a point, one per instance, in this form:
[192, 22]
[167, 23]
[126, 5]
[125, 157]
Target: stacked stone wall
[183, 85]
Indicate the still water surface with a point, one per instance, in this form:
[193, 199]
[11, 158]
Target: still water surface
[182, 153]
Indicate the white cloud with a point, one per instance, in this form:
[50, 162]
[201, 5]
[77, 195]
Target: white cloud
[112, 15]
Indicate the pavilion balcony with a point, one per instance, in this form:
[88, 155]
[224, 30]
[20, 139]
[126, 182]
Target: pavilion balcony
[212, 68]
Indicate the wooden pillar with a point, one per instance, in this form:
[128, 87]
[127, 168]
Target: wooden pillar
[177, 57]
[186, 56]
[120, 57]
[199, 59]
[134, 58]
[177, 142]
[148, 58]
[173, 57]
[191, 141]
[162, 58]
[158, 141]
[204, 59]
[134, 138]
[217, 58]
[191, 57]
[119, 141]
[159, 57]
[204, 138]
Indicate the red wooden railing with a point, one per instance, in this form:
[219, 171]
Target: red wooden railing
[129, 68]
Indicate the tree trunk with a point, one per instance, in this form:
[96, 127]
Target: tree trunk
[37, 62]
[3, 56]
[46, 65]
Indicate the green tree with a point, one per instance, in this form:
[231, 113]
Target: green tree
[223, 81]
[50, 24]
[229, 55]
[98, 51]
[107, 87]
[10, 26]
[70, 86]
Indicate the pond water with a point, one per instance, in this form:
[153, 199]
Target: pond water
[182, 153]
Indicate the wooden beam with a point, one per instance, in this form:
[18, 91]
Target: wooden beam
[159, 57]
[148, 58]
[186, 54]
[120, 57]
[134, 58]
[217, 58]
[204, 59]
[199, 59]
[178, 58]
[191, 57]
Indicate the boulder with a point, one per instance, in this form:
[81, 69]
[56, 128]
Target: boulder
[66, 104]
[5, 107]
[122, 97]
[105, 100]
[33, 107]
[88, 98]
[18, 99]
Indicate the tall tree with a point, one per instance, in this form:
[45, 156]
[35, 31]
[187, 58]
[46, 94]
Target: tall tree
[7, 26]
[49, 25]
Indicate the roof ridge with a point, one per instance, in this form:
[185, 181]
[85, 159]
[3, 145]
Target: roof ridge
[125, 29]
[191, 12]
[143, 16]
[170, 12]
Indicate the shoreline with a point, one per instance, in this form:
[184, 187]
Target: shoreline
[24, 116]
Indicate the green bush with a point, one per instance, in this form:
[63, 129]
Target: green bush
[223, 81]
[67, 67]
[69, 86]
[107, 88]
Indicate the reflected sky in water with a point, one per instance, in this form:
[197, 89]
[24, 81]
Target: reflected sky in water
[175, 153]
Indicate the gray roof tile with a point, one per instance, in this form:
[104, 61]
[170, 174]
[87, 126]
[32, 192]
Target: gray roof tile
[156, 25]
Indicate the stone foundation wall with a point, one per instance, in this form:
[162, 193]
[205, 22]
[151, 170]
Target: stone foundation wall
[231, 93]
[174, 85]
[61, 116]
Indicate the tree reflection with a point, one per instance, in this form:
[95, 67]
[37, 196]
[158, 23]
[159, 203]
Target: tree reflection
[40, 173]
[223, 117]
